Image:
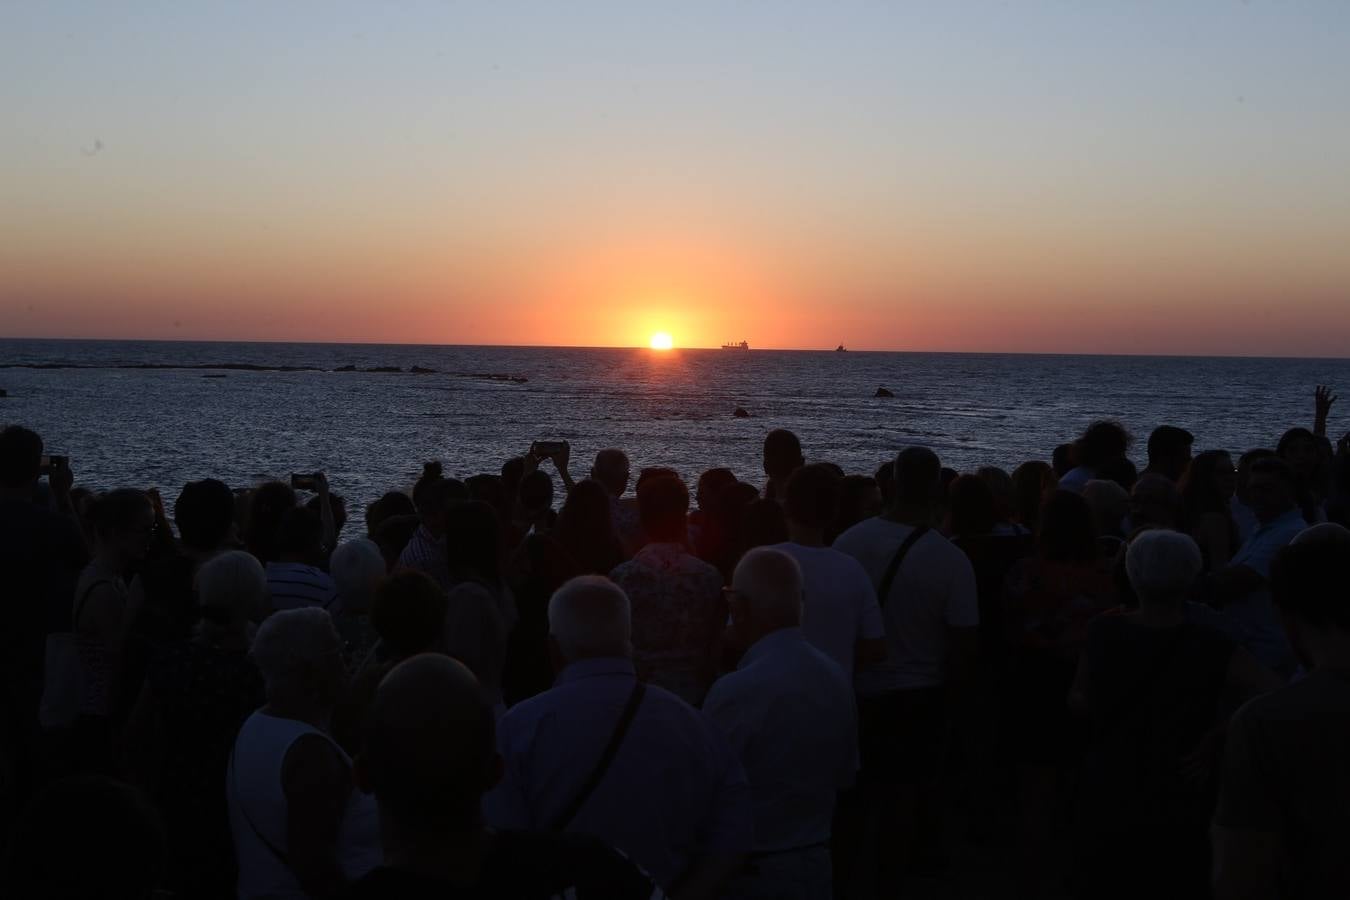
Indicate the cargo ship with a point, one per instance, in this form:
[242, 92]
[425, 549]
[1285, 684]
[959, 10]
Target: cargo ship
[743, 345]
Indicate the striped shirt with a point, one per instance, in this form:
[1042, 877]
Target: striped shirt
[296, 585]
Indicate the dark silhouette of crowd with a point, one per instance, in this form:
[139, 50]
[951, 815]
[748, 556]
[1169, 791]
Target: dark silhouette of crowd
[1078, 678]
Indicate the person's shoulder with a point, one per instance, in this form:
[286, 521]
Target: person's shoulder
[536, 864]
[1303, 702]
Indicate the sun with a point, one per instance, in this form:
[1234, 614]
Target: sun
[662, 341]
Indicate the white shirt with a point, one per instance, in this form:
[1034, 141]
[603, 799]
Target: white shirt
[933, 590]
[788, 713]
[1076, 479]
[841, 602]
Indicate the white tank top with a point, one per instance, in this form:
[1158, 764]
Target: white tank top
[257, 807]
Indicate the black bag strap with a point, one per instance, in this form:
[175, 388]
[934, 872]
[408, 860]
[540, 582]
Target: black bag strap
[606, 759]
[901, 552]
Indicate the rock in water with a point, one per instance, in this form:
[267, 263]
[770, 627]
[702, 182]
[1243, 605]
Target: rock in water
[882, 392]
[740, 413]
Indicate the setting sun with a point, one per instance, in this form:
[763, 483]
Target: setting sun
[662, 341]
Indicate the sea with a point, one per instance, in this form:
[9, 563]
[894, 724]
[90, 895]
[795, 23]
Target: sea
[159, 414]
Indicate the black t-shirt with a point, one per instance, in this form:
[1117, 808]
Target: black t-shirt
[523, 866]
[1286, 770]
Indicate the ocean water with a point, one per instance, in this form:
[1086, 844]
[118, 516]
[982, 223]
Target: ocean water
[371, 431]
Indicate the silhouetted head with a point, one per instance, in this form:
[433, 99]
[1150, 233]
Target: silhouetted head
[204, 514]
[299, 654]
[1031, 480]
[782, 454]
[811, 499]
[766, 595]
[512, 471]
[231, 589]
[1001, 485]
[1067, 532]
[1301, 449]
[885, 478]
[917, 477]
[1120, 470]
[1271, 488]
[393, 535]
[1169, 451]
[20, 458]
[428, 754]
[1309, 582]
[590, 617]
[585, 515]
[611, 469]
[663, 505]
[1110, 505]
[266, 505]
[489, 489]
[709, 483]
[1163, 566]
[1155, 502]
[859, 499]
[337, 504]
[763, 523]
[409, 613]
[124, 522]
[1244, 470]
[86, 837]
[1064, 459]
[473, 546]
[652, 472]
[970, 507]
[393, 503]
[1208, 485]
[434, 494]
[1102, 441]
[535, 494]
[357, 567]
[300, 536]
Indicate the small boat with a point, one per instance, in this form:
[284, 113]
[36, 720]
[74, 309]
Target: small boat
[743, 345]
[841, 349]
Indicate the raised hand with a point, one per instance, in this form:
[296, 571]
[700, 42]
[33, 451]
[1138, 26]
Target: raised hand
[1323, 398]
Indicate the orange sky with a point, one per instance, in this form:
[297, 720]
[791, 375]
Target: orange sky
[1029, 179]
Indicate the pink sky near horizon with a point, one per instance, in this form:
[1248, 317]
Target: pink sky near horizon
[1150, 179]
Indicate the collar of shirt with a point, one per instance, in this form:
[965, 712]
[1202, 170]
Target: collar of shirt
[662, 554]
[605, 666]
[769, 643]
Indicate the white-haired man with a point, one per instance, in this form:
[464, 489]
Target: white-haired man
[789, 714]
[602, 754]
[299, 828]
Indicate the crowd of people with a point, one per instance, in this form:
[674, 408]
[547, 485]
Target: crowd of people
[521, 685]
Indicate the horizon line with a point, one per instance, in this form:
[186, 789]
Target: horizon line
[678, 348]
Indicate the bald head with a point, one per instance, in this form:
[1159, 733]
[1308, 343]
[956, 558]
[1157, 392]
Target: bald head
[590, 617]
[428, 754]
[1323, 533]
[768, 586]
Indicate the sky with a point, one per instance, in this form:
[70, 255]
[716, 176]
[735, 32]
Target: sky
[1105, 177]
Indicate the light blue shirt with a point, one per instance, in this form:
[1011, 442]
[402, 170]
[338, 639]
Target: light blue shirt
[789, 714]
[673, 794]
[1254, 612]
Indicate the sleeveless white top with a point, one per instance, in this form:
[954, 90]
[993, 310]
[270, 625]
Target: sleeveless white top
[257, 806]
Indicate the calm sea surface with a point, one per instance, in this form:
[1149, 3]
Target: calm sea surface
[371, 431]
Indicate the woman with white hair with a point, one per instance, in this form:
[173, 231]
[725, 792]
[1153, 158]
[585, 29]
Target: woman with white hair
[299, 827]
[1154, 686]
[195, 695]
[356, 567]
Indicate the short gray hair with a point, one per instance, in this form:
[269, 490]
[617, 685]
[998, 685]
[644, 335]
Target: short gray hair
[356, 567]
[293, 641]
[590, 616]
[232, 582]
[1163, 564]
[772, 584]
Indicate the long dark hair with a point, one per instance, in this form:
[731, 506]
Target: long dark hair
[1067, 532]
[473, 547]
[585, 528]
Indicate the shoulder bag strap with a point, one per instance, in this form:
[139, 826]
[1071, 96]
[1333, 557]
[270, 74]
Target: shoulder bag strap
[884, 591]
[606, 759]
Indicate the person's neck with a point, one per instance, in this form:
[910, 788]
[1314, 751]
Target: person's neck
[915, 514]
[806, 535]
[454, 856]
[770, 629]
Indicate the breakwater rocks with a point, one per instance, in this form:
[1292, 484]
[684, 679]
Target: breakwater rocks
[254, 367]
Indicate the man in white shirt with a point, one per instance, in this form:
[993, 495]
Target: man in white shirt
[841, 617]
[788, 713]
[927, 591]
